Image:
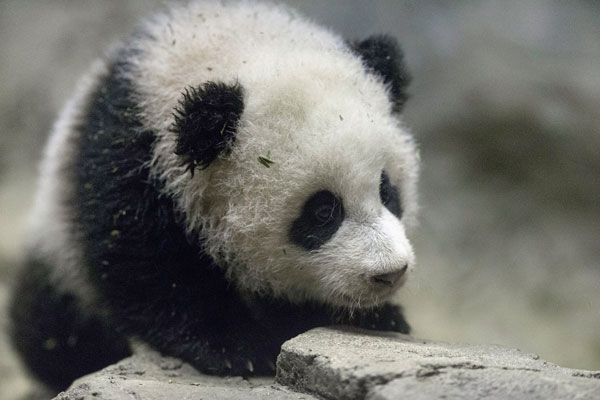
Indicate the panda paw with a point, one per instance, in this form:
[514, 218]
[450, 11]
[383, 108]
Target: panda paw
[224, 362]
[250, 366]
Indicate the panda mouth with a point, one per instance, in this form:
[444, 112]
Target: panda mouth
[370, 295]
[360, 302]
[365, 299]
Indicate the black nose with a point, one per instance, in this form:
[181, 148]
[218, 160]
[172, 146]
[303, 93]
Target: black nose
[389, 279]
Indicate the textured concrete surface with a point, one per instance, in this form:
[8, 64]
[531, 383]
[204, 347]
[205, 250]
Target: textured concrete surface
[148, 376]
[344, 363]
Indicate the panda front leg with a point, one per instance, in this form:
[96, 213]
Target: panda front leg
[224, 343]
[243, 350]
[184, 307]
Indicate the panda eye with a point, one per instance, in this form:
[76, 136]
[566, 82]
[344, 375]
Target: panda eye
[324, 207]
[389, 195]
[322, 215]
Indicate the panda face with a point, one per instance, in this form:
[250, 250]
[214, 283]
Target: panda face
[352, 238]
[326, 219]
[361, 260]
[299, 180]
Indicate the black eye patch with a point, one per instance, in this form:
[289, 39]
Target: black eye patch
[321, 217]
[389, 195]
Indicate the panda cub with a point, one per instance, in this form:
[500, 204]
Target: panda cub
[231, 176]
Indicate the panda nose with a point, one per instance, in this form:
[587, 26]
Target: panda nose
[389, 279]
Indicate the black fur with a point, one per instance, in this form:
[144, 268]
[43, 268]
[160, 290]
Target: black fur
[321, 217]
[382, 55]
[205, 122]
[157, 283]
[58, 341]
[389, 195]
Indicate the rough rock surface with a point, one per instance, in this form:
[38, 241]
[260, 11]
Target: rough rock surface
[347, 363]
[343, 363]
[149, 376]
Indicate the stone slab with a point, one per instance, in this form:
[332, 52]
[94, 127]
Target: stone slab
[347, 363]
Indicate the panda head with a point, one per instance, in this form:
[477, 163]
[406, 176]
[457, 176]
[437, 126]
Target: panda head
[286, 157]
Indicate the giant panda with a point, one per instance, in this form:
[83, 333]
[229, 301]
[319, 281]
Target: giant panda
[230, 176]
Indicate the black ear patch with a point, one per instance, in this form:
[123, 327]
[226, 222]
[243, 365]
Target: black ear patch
[382, 55]
[205, 122]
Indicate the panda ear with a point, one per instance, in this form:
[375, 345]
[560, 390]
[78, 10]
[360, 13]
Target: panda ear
[382, 55]
[205, 122]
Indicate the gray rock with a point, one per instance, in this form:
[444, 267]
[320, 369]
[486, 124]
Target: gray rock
[149, 376]
[344, 363]
[347, 363]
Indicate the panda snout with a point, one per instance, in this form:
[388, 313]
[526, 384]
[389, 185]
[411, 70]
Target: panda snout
[389, 279]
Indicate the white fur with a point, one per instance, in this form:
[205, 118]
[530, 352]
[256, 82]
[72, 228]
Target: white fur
[310, 107]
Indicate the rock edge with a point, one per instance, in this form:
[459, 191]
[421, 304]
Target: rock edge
[349, 363]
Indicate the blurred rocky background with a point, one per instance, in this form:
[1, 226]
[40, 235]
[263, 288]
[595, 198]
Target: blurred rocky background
[506, 108]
